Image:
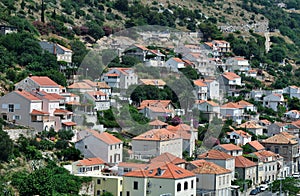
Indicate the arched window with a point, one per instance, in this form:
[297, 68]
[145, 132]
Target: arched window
[185, 185]
[178, 187]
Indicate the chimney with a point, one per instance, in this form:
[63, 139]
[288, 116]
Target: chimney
[30, 75]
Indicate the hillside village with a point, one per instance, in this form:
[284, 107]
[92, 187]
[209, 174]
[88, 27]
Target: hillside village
[258, 143]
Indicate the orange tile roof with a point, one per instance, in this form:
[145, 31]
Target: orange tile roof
[230, 147]
[210, 44]
[230, 75]
[215, 154]
[256, 145]
[168, 157]
[69, 123]
[121, 69]
[239, 58]
[90, 83]
[250, 125]
[112, 74]
[157, 123]
[73, 103]
[27, 95]
[212, 103]
[199, 83]
[244, 103]
[79, 85]
[56, 96]
[105, 137]
[163, 103]
[262, 155]
[102, 85]
[281, 138]
[231, 105]
[242, 162]
[38, 112]
[168, 171]
[44, 81]
[141, 47]
[94, 93]
[153, 82]
[265, 121]
[157, 135]
[242, 133]
[90, 162]
[178, 60]
[182, 130]
[205, 167]
[62, 111]
[64, 48]
[158, 109]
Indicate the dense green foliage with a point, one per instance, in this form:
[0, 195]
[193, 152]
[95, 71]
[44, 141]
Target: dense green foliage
[48, 180]
[289, 184]
[6, 146]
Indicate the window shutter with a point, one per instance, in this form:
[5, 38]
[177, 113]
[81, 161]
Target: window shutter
[4, 106]
[17, 106]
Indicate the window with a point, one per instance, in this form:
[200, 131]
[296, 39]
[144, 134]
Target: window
[11, 108]
[96, 167]
[111, 147]
[98, 181]
[276, 150]
[135, 185]
[192, 184]
[98, 192]
[178, 187]
[127, 193]
[185, 185]
[197, 179]
[121, 182]
[85, 146]
[220, 181]
[16, 117]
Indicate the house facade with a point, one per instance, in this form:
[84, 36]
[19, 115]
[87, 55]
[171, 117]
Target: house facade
[92, 144]
[273, 101]
[164, 179]
[41, 83]
[287, 146]
[120, 77]
[238, 137]
[211, 178]
[201, 89]
[213, 89]
[229, 83]
[62, 53]
[155, 142]
[246, 169]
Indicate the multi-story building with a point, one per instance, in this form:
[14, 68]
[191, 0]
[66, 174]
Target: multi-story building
[245, 169]
[229, 83]
[163, 179]
[155, 142]
[91, 144]
[230, 149]
[62, 53]
[201, 89]
[287, 146]
[220, 158]
[269, 165]
[40, 83]
[121, 78]
[211, 179]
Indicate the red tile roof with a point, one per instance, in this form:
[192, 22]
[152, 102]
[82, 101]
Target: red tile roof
[69, 123]
[178, 60]
[79, 85]
[94, 93]
[27, 95]
[264, 154]
[230, 75]
[256, 145]
[244, 103]
[230, 147]
[241, 133]
[231, 105]
[90, 162]
[215, 154]
[157, 123]
[62, 111]
[168, 171]
[242, 162]
[106, 137]
[153, 82]
[38, 112]
[199, 83]
[281, 138]
[156, 103]
[212, 103]
[44, 81]
[205, 167]
[157, 135]
[168, 157]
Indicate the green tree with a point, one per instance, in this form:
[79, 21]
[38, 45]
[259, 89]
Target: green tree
[289, 184]
[6, 146]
